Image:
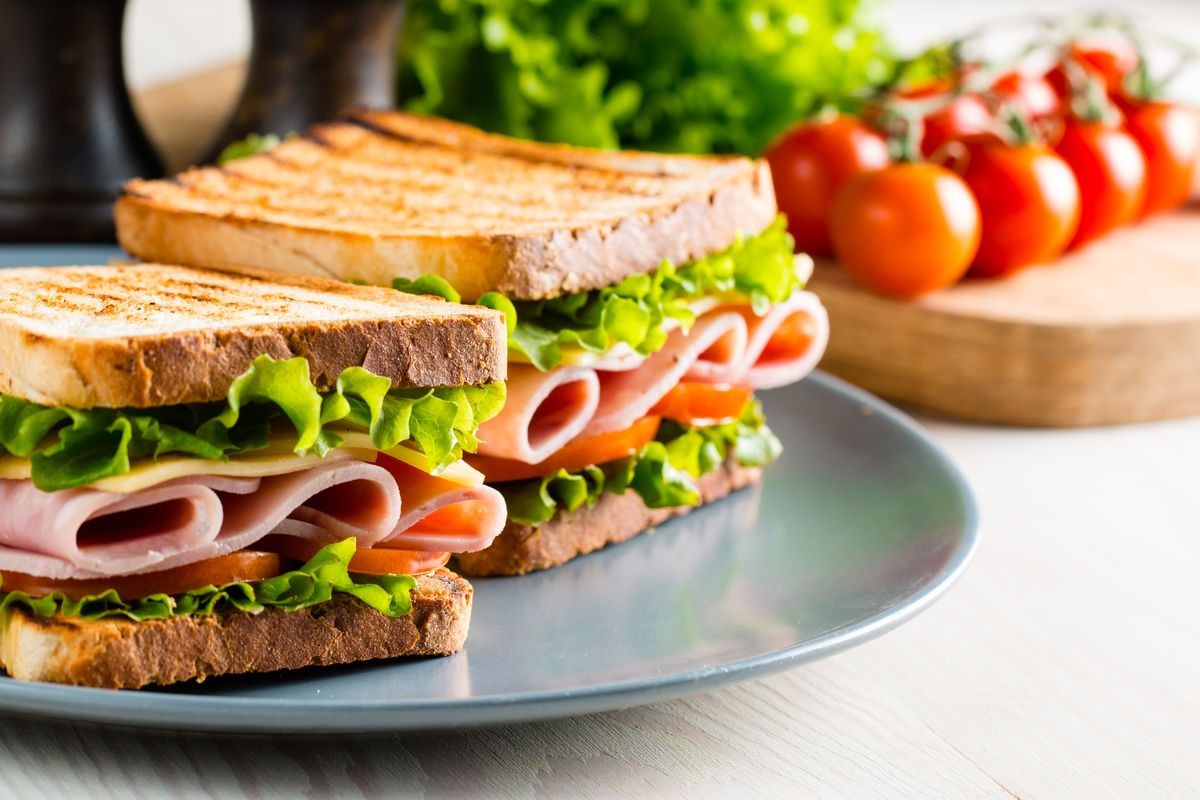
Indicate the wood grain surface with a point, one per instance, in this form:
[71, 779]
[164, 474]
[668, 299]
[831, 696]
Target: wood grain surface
[1107, 334]
[1066, 664]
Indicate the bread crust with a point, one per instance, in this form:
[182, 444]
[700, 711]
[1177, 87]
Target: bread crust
[520, 549]
[382, 194]
[122, 654]
[150, 335]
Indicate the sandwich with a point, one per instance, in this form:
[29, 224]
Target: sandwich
[646, 297]
[206, 473]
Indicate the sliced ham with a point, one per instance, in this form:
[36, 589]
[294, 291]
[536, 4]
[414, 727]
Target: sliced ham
[764, 370]
[626, 397]
[443, 516]
[78, 533]
[334, 500]
[544, 411]
[765, 367]
[85, 533]
[728, 344]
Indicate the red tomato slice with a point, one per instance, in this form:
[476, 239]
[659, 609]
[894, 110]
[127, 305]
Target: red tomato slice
[377, 560]
[244, 565]
[455, 518]
[702, 403]
[792, 339]
[574, 456]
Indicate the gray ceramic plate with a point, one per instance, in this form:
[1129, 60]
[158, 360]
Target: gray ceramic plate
[861, 525]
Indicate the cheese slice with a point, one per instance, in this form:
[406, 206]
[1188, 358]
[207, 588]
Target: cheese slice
[276, 459]
[459, 472]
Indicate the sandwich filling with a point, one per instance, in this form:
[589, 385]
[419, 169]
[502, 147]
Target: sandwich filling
[647, 385]
[279, 496]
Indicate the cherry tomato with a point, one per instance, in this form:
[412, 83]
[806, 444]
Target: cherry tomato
[244, 565]
[964, 116]
[573, 456]
[1108, 61]
[377, 560]
[905, 230]
[809, 163]
[1111, 171]
[1028, 205]
[1169, 136]
[702, 403]
[1033, 96]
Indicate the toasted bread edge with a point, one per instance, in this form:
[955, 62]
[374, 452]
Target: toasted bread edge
[122, 654]
[521, 549]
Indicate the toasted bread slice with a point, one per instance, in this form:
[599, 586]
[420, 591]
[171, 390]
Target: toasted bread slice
[122, 654]
[380, 195]
[523, 548]
[151, 335]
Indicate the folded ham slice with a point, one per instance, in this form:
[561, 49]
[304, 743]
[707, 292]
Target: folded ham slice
[86, 533]
[626, 397]
[726, 345]
[443, 516]
[543, 411]
[765, 367]
[766, 370]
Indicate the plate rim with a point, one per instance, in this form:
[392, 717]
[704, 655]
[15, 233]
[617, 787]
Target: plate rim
[255, 715]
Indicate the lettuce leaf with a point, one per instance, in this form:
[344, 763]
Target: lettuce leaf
[663, 472]
[760, 269]
[70, 447]
[325, 574]
[434, 285]
[253, 144]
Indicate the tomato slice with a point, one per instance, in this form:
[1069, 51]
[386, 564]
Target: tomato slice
[244, 565]
[454, 518]
[573, 456]
[377, 560]
[703, 403]
[791, 339]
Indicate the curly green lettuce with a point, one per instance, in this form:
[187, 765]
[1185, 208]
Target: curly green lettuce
[70, 447]
[674, 75]
[325, 574]
[758, 269]
[663, 473]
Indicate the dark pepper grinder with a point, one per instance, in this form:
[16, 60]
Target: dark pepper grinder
[68, 134]
[311, 59]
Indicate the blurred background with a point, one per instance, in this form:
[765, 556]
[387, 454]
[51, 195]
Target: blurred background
[166, 39]
[572, 71]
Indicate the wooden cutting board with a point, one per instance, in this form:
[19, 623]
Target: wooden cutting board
[1108, 334]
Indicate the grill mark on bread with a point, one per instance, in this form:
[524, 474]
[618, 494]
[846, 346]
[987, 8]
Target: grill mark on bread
[399, 136]
[344, 172]
[428, 196]
[148, 335]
